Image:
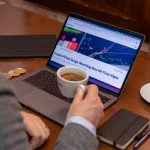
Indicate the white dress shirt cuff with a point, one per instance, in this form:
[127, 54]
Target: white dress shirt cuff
[82, 121]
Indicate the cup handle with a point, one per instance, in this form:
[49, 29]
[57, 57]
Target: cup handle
[83, 88]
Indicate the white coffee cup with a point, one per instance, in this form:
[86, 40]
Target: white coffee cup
[69, 78]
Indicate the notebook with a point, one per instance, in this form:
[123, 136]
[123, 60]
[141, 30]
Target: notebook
[122, 128]
[105, 51]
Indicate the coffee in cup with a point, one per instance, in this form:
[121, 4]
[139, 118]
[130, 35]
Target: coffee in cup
[72, 77]
[69, 78]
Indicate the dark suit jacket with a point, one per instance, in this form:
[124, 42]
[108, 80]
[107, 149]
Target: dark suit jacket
[12, 131]
[76, 137]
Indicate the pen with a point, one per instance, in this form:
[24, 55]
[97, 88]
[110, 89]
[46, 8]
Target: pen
[145, 136]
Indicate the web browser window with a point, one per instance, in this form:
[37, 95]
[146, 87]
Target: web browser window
[106, 54]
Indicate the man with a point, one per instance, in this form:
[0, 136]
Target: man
[79, 131]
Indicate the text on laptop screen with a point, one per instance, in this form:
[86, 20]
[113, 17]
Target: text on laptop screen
[105, 53]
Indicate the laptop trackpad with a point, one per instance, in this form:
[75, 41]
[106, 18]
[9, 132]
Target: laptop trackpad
[47, 105]
[22, 87]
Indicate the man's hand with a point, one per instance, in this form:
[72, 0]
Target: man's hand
[36, 129]
[89, 106]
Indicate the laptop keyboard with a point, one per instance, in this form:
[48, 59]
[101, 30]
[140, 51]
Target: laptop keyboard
[47, 81]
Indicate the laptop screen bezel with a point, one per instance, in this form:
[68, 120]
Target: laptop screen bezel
[106, 25]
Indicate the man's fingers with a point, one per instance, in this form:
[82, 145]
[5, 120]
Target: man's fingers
[93, 93]
[36, 129]
[43, 128]
[47, 131]
[42, 132]
[79, 96]
[36, 142]
[35, 137]
[38, 137]
[92, 90]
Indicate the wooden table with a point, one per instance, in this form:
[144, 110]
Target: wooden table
[17, 21]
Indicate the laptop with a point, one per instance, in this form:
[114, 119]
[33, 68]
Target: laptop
[105, 51]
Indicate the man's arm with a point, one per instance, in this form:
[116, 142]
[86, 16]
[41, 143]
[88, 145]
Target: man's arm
[77, 135]
[13, 128]
[12, 131]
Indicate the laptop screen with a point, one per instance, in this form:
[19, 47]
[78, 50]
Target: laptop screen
[106, 52]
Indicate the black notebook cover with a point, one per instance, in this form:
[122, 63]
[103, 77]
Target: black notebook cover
[26, 45]
[121, 129]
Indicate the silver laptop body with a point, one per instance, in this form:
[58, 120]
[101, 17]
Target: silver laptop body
[106, 52]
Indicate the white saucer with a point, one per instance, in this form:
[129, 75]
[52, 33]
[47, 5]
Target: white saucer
[145, 92]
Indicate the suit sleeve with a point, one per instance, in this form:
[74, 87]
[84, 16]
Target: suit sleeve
[12, 131]
[76, 137]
